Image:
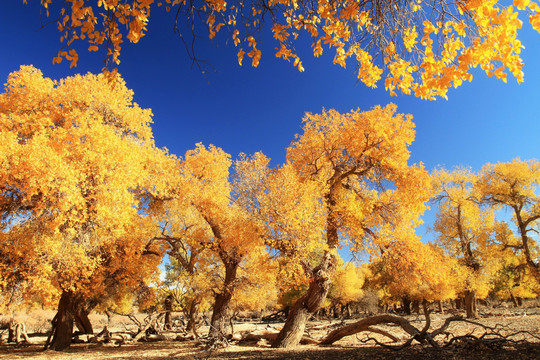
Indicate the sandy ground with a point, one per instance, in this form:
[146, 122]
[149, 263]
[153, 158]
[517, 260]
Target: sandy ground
[352, 347]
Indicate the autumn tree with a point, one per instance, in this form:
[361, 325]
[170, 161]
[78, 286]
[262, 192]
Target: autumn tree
[188, 269]
[258, 289]
[347, 285]
[511, 280]
[514, 186]
[346, 181]
[414, 271]
[76, 162]
[204, 221]
[421, 47]
[464, 229]
[188, 282]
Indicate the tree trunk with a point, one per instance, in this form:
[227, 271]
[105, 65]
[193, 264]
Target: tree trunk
[71, 309]
[167, 323]
[470, 304]
[303, 308]
[218, 323]
[514, 300]
[11, 332]
[192, 316]
[335, 312]
[16, 331]
[416, 306]
[62, 331]
[523, 230]
[20, 331]
[313, 299]
[406, 305]
[441, 307]
[82, 321]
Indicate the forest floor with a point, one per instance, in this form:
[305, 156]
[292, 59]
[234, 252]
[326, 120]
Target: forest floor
[521, 346]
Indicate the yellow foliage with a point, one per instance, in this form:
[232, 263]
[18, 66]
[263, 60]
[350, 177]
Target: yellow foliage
[465, 230]
[346, 182]
[356, 164]
[417, 271]
[216, 245]
[416, 59]
[77, 159]
[514, 186]
[347, 284]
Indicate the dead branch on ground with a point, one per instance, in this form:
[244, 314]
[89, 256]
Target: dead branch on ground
[492, 337]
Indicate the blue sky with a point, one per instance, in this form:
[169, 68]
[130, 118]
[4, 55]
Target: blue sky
[245, 109]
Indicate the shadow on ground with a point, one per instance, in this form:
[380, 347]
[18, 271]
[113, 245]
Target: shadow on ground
[188, 351]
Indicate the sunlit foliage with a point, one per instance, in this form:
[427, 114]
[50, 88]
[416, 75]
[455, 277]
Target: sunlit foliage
[207, 229]
[346, 181]
[465, 229]
[77, 158]
[422, 47]
[514, 186]
[416, 271]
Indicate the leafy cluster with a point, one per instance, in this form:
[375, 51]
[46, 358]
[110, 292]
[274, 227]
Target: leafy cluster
[420, 47]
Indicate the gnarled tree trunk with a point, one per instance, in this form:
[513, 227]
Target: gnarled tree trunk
[470, 304]
[365, 325]
[218, 323]
[72, 309]
[16, 331]
[222, 301]
[167, 323]
[192, 316]
[303, 308]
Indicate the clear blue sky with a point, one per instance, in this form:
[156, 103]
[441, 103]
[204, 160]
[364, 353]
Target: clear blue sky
[245, 109]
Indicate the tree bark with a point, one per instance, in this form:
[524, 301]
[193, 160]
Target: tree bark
[11, 332]
[514, 300]
[192, 316]
[20, 332]
[406, 305]
[218, 323]
[16, 331]
[441, 307]
[348, 310]
[470, 304]
[303, 308]
[365, 324]
[167, 323]
[313, 299]
[523, 230]
[335, 312]
[82, 321]
[416, 306]
[71, 309]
